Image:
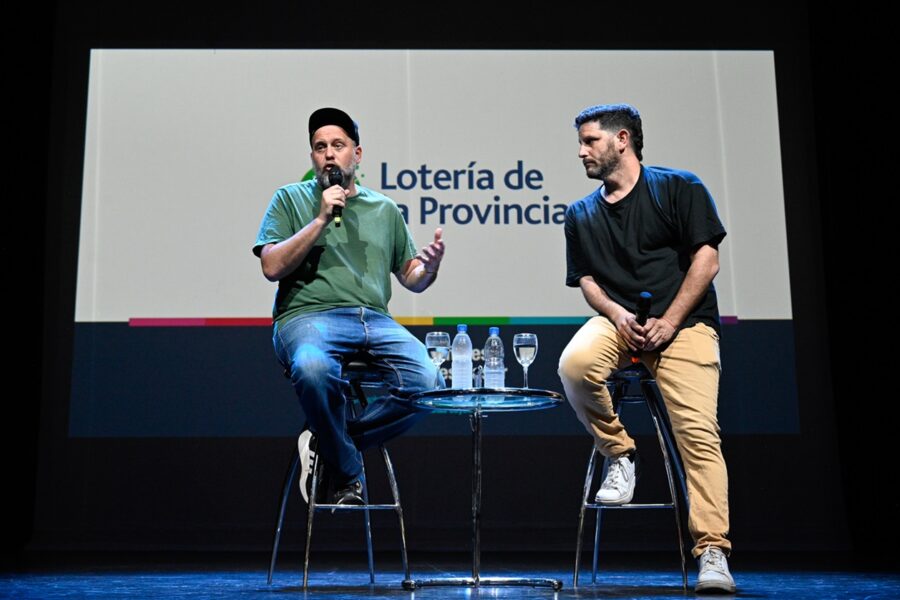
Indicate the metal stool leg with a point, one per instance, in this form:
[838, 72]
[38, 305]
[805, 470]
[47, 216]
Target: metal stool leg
[311, 511]
[596, 545]
[289, 478]
[588, 479]
[597, 526]
[395, 492]
[676, 505]
[368, 518]
[658, 406]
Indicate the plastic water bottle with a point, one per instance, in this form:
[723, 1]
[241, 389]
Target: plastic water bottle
[494, 369]
[461, 353]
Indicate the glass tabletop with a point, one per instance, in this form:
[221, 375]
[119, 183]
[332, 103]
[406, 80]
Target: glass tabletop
[485, 399]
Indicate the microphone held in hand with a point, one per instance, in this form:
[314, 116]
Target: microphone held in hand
[641, 315]
[643, 308]
[335, 177]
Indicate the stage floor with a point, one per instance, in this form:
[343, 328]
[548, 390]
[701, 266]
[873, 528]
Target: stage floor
[175, 576]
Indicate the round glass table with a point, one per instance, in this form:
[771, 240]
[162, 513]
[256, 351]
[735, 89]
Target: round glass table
[476, 402]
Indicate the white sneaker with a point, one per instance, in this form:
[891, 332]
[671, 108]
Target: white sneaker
[714, 575]
[306, 445]
[618, 486]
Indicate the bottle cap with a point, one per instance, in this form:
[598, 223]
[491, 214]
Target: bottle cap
[494, 331]
[462, 327]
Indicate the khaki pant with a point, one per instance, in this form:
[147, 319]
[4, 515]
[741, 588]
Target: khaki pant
[687, 373]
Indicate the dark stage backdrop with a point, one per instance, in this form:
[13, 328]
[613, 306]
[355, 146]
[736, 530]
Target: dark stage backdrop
[213, 485]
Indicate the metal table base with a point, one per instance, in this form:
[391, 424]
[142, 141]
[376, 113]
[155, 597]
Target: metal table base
[413, 584]
[476, 408]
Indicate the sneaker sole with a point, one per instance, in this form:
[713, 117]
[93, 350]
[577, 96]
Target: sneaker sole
[715, 586]
[303, 443]
[616, 502]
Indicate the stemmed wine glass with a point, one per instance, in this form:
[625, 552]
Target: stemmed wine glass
[438, 345]
[525, 346]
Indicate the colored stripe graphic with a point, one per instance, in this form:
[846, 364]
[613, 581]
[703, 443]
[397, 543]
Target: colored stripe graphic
[412, 321]
[202, 322]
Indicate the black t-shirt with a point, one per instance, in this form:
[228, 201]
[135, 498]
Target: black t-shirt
[644, 241]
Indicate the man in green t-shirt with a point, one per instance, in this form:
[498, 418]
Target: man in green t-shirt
[332, 246]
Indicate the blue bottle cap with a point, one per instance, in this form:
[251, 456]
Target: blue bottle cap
[494, 331]
[462, 328]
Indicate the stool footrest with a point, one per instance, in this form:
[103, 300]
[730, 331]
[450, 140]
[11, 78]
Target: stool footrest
[356, 506]
[630, 505]
[413, 584]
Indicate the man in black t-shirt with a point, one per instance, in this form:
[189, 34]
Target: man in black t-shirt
[655, 230]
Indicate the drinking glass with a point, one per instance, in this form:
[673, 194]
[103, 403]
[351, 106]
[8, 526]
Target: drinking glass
[525, 346]
[438, 345]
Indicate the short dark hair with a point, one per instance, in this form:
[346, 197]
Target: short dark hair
[613, 117]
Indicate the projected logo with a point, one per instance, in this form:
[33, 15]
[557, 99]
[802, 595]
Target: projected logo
[469, 180]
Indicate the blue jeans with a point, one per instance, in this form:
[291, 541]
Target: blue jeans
[312, 346]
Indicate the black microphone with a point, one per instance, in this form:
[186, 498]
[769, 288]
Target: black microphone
[335, 177]
[640, 316]
[643, 308]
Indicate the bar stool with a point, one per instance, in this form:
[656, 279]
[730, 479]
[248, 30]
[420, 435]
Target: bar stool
[359, 372]
[633, 384]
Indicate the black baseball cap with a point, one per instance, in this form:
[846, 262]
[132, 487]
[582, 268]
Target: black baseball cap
[333, 116]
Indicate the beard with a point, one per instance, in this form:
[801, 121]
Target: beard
[322, 176]
[604, 165]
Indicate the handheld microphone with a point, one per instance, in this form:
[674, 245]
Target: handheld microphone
[643, 308]
[640, 316]
[335, 177]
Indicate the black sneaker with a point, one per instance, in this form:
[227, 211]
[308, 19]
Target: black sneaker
[350, 494]
[306, 445]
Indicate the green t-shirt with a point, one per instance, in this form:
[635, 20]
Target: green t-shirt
[349, 265]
